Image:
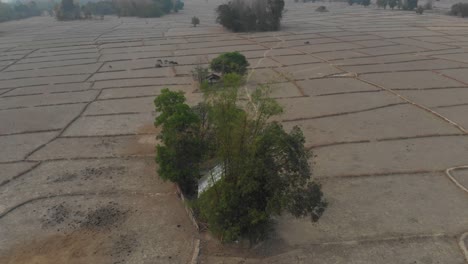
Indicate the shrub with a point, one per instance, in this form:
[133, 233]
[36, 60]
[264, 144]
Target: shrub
[258, 15]
[230, 62]
[460, 9]
[195, 21]
[365, 2]
[321, 9]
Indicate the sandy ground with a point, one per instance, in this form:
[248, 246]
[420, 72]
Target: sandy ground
[381, 95]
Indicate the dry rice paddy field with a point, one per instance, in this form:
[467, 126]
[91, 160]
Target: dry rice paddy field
[381, 95]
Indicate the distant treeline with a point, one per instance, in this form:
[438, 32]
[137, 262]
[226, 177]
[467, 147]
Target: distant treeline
[20, 10]
[244, 15]
[68, 10]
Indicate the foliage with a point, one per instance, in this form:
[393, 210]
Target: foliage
[139, 8]
[200, 73]
[86, 11]
[258, 15]
[180, 154]
[101, 8]
[178, 6]
[266, 169]
[358, 2]
[67, 10]
[166, 6]
[230, 62]
[19, 10]
[365, 2]
[419, 10]
[195, 21]
[460, 9]
[382, 3]
[399, 4]
[410, 5]
[428, 5]
[6, 12]
[392, 3]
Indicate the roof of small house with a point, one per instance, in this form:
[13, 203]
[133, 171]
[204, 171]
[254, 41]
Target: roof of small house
[213, 76]
[210, 178]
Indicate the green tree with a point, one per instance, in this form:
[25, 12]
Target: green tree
[230, 62]
[392, 3]
[195, 21]
[365, 2]
[265, 169]
[180, 154]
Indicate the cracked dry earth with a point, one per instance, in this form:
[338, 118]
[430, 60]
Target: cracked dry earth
[382, 98]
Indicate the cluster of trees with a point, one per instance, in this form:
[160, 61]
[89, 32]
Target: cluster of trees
[100, 8]
[19, 10]
[265, 170]
[258, 15]
[400, 4]
[147, 8]
[359, 2]
[460, 9]
[68, 10]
